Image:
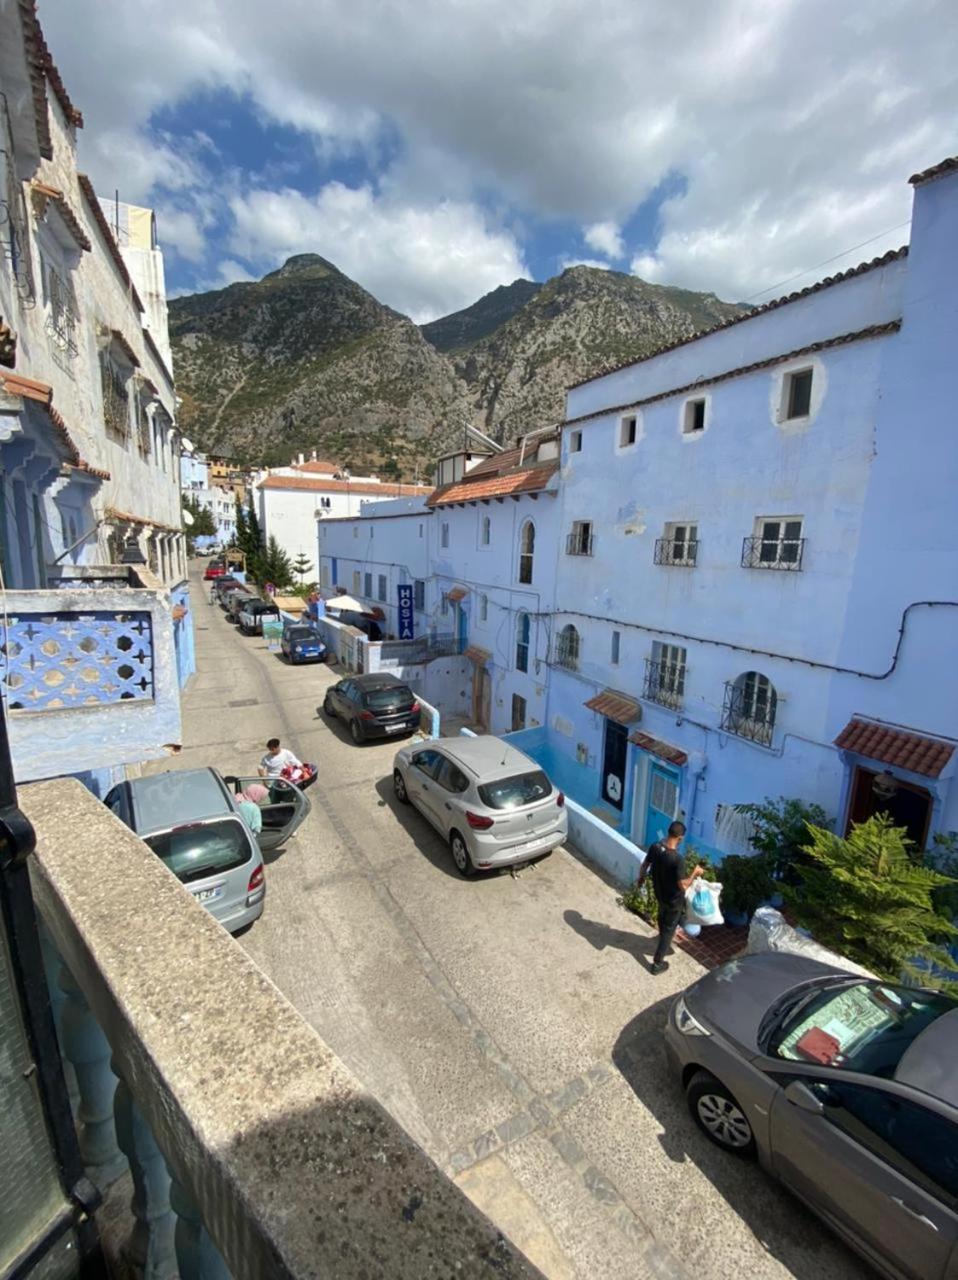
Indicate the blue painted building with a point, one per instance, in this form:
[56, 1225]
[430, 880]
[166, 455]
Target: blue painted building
[757, 589]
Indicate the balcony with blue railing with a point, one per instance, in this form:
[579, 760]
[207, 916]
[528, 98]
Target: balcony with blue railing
[88, 672]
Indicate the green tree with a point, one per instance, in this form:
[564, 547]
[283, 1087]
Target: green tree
[272, 564]
[203, 523]
[301, 566]
[867, 898]
[781, 831]
[241, 537]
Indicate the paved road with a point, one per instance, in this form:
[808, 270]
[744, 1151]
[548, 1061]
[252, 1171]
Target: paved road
[510, 1024]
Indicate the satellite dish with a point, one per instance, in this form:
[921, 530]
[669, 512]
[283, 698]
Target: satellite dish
[188, 445]
[187, 517]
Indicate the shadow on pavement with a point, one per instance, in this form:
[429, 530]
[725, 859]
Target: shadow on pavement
[418, 829]
[785, 1228]
[601, 935]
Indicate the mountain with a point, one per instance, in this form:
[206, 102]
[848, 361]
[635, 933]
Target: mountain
[462, 329]
[306, 358]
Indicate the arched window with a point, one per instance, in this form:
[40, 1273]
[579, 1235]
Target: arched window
[486, 535]
[527, 547]
[750, 706]
[567, 648]
[523, 629]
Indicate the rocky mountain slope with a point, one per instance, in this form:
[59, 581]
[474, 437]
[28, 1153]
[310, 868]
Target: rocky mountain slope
[306, 358]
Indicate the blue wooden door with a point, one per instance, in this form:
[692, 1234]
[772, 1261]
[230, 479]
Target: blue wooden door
[462, 628]
[663, 802]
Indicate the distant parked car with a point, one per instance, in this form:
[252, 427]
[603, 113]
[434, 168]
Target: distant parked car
[844, 1088]
[191, 821]
[301, 643]
[215, 569]
[234, 601]
[490, 801]
[253, 613]
[373, 706]
[223, 584]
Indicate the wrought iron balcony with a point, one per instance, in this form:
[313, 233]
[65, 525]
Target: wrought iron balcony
[664, 682]
[579, 542]
[88, 671]
[669, 551]
[749, 713]
[773, 553]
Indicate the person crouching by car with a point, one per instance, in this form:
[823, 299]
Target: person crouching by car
[665, 865]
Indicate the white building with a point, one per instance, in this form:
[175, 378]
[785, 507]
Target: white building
[218, 499]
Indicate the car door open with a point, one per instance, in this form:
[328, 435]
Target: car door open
[284, 812]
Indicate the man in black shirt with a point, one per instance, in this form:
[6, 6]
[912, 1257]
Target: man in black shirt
[665, 865]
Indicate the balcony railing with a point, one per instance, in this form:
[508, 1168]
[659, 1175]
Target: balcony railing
[748, 714]
[680, 554]
[579, 543]
[254, 1152]
[422, 649]
[664, 682]
[88, 644]
[773, 553]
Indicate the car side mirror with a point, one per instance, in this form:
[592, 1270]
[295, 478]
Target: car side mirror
[799, 1095]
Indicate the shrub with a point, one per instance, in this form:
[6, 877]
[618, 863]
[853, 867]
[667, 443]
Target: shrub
[746, 881]
[781, 832]
[866, 897]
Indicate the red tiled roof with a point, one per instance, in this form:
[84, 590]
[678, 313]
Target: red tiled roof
[906, 750]
[318, 466]
[495, 464]
[615, 706]
[42, 393]
[893, 255]
[316, 484]
[936, 171]
[664, 750]
[527, 480]
[99, 217]
[873, 331]
[37, 57]
[124, 517]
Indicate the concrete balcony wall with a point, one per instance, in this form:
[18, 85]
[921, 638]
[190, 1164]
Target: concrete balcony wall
[288, 1164]
[89, 675]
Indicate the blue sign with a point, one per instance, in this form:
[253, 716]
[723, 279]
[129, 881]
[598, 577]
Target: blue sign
[406, 628]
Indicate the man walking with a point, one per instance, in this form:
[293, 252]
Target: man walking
[664, 864]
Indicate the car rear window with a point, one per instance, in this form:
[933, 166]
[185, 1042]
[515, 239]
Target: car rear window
[397, 695]
[513, 793]
[202, 849]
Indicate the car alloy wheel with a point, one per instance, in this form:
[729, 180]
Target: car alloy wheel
[399, 787]
[719, 1115]
[328, 708]
[356, 733]
[460, 855]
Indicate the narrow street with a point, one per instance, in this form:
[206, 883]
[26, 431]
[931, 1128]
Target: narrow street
[509, 1023]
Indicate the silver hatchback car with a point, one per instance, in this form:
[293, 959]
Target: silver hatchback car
[191, 820]
[845, 1088]
[491, 802]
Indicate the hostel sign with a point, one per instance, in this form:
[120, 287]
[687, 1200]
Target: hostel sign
[406, 626]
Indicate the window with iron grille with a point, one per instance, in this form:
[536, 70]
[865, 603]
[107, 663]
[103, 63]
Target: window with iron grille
[579, 541]
[680, 546]
[567, 648]
[665, 674]
[527, 549]
[798, 393]
[419, 595]
[63, 317]
[116, 400]
[750, 706]
[14, 220]
[776, 544]
[523, 631]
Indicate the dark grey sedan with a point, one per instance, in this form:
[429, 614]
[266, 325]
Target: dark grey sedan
[845, 1088]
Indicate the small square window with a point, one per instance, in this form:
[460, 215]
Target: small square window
[575, 441]
[798, 390]
[694, 420]
[627, 431]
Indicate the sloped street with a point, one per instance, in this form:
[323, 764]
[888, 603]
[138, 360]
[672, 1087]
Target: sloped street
[509, 1023]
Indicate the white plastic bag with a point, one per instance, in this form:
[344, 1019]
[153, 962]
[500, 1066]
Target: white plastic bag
[702, 902]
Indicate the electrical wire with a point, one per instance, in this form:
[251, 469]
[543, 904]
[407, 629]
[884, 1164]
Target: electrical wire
[817, 267]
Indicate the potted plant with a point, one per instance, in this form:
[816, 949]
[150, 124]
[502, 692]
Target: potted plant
[746, 884]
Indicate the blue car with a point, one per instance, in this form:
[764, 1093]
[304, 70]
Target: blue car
[301, 643]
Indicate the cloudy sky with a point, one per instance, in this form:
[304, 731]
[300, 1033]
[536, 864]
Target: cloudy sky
[434, 149]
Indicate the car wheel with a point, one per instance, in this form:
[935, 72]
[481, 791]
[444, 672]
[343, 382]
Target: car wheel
[399, 786]
[356, 733]
[460, 855]
[328, 708]
[718, 1115]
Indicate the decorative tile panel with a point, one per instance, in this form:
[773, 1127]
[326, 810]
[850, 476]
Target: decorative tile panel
[52, 661]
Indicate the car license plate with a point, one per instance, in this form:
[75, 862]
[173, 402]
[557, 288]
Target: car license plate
[208, 895]
[394, 728]
[527, 845]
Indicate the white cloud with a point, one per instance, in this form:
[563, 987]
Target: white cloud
[424, 262]
[605, 238]
[794, 124]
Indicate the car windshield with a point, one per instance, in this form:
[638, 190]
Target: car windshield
[301, 633]
[202, 849]
[513, 793]
[394, 695]
[859, 1026]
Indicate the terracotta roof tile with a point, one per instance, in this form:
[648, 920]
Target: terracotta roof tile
[664, 750]
[893, 255]
[615, 706]
[125, 517]
[528, 480]
[495, 464]
[42, 393]
[99, 217]
[315, 484]
[936, 171]
[37, 56]
[318, 466]
[457, 593]
[911, 751]
[475, 653]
